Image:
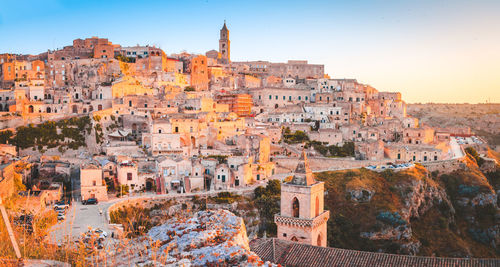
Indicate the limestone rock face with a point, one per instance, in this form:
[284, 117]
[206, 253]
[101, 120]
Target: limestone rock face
[361, 195]
[208, 238]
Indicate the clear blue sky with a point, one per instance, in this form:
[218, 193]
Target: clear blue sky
[440, 51]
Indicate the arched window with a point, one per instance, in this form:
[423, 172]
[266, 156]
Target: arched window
[319, 240]
[295, 239]
[317, 206]
[295, 207]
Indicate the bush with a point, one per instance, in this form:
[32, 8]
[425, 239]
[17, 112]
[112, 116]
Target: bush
[468, 191]
[295, 138]
[393, 219]
[471, 152]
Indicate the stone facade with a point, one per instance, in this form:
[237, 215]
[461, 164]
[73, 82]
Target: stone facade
[302, 217]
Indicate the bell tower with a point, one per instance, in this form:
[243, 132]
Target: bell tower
[224, 45]
[302, 217]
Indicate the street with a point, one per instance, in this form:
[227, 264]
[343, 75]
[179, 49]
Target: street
[79, 218]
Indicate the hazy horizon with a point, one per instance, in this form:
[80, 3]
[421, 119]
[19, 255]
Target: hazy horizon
[440, 52]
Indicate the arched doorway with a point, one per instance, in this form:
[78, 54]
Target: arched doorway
[99, 107]
[30, 109]
[91, 108]
[319, 240]
[149, 184]
[48, 110]
[295, 207]
[134, 128]
[84, 110]
[75, 109]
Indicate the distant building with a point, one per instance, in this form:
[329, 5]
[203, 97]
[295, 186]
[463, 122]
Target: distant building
[224, 45]
[92, 184]
[240, 104]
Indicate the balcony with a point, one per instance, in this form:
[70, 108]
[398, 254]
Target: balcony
[300, 222]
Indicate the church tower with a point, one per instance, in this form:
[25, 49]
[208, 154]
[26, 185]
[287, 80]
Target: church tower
[224, 45]
[302, 217]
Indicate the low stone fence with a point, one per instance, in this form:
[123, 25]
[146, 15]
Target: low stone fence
[320, 164]
[152, 200]
[445, 166]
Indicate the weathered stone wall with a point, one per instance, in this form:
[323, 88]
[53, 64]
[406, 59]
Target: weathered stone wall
[445, 166]
[326, 164]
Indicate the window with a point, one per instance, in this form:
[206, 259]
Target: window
[270, 97]
[94, 183]
[300, 97]
[129, 176]
[295, 207]
[223, 178]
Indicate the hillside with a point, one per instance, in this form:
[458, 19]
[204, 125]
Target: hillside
[483, 119]
[415, 212]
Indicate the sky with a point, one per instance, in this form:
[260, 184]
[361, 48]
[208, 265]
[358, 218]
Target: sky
[429, 50]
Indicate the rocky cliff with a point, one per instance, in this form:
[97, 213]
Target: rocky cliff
[414, 211]
[209, 238]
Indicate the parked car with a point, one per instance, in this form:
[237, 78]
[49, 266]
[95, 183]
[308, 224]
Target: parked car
[90, 201]
[102, 234]
[61, 204]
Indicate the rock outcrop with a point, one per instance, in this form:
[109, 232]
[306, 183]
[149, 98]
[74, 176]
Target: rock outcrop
[208, 238]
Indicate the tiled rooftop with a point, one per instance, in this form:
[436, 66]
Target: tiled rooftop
[289, 253]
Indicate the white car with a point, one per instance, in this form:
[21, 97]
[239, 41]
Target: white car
[102, 234]
[61, 205]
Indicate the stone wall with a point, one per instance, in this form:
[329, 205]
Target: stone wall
[319, 164]
[445, 166]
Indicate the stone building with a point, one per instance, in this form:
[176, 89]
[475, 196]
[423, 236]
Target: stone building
[199, 73]
[91, 183]
[302, 217]
[224, 45]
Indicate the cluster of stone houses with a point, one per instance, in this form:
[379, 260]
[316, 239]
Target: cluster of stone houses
[187, 122]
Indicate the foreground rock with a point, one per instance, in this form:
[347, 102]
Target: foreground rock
[208, 238]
